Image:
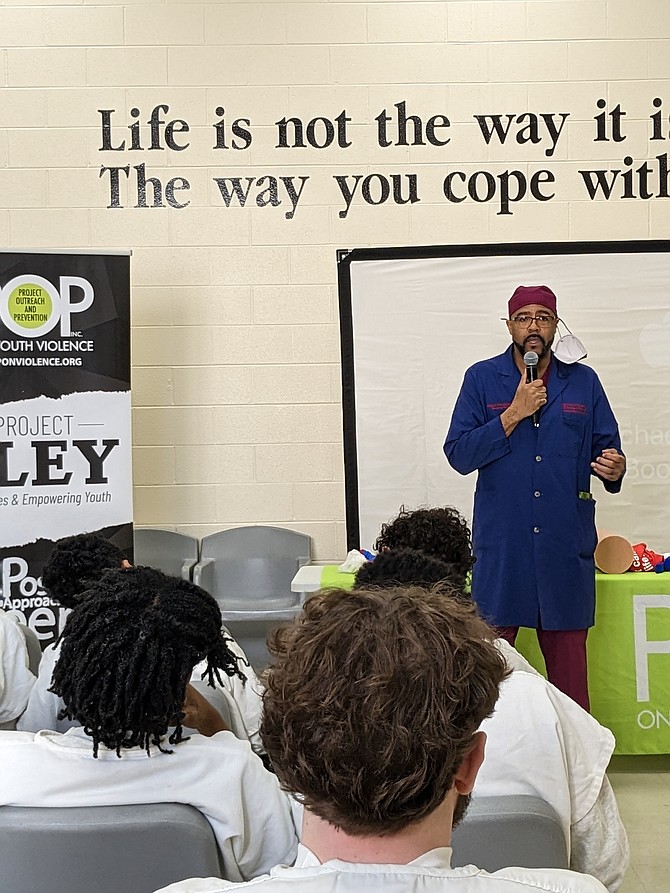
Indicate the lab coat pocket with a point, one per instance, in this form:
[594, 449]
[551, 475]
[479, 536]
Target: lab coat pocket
[571, 434]
[586, 514]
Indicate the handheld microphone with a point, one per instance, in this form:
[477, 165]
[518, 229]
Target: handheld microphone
[531, 360]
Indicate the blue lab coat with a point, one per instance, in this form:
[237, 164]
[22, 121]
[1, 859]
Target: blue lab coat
[533, 536]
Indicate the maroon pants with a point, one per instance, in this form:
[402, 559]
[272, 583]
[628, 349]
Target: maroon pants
[564, 652]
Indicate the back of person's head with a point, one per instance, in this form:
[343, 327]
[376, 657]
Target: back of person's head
[373, 701]
[75, 563]
[441, 532]
[407, 567]
[128, 649]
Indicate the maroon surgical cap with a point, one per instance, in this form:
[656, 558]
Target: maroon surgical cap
[532, 294]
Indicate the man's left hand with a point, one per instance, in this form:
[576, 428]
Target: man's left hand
[610, 465]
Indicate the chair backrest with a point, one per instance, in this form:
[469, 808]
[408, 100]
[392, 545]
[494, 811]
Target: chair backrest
[500, 832]
[251, 568]
[168, 551]
[33, 647]
[104, 848]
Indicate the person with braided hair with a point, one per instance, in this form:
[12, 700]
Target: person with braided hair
[410, 567]
[447, 532]
[129, 648]
[75, 563]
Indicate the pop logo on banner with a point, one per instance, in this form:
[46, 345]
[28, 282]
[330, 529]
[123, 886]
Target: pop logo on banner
[31, 306]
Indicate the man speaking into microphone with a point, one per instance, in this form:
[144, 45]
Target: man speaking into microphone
[536, 426]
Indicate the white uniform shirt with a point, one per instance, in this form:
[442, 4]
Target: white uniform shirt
[220, 776]
[43, 705]
[513, 658]
[539, 741]
[16, 680]
[430, 873]
[240, 706]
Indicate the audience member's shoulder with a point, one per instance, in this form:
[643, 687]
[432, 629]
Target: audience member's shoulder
[221, 741]
[548, 880]
[209, 885]
[508, 880]
[514, 659]
[12, 738]
[9, 626]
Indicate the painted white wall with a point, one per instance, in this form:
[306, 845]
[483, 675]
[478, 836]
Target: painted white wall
[235, 335]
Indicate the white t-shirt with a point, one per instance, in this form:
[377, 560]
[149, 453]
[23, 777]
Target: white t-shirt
[513, 658]
[430, 873]
[16, 680]
[539, 741]
[240, 703]
[220, 776]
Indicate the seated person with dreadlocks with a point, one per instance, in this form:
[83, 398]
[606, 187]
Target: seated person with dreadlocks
[75, 563]
[128, 651]
[371, 716]
[16, 680]
[539, 741]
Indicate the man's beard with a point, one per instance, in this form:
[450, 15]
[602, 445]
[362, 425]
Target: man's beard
[461, 808]
[546, 346]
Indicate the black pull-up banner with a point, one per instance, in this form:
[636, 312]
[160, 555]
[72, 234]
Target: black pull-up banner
[65, 435]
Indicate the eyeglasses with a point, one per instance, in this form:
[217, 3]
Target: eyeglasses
[525, 319]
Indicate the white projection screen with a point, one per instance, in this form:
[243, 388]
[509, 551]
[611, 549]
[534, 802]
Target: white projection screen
[413, 319]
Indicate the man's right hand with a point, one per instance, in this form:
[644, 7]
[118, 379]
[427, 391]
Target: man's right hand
[530, 396]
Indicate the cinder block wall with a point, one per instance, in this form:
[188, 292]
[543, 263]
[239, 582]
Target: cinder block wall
[235, 335]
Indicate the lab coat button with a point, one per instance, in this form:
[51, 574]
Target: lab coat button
[538, 458]
[536, 529]
[537, 493]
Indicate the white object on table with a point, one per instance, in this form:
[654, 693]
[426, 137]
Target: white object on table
[308, 578]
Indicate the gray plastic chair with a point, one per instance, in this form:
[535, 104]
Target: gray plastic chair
[249, 571]
[170, 552]
[500, 832]
[104, 848]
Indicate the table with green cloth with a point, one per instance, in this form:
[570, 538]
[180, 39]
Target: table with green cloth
[628, 656]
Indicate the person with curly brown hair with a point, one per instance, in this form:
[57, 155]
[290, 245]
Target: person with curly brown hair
[371, 717]
[441, 532]
[539, 741]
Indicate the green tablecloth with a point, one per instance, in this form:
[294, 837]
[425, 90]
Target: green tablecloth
[629, 660]
[330, 576]
[628, 653]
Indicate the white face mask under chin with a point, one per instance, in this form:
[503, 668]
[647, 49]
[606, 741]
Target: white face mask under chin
[569, 349]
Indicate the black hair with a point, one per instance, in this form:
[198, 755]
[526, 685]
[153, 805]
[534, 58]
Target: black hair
[75, 563]
[441, 532]
[129, 647]
[408, 567]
